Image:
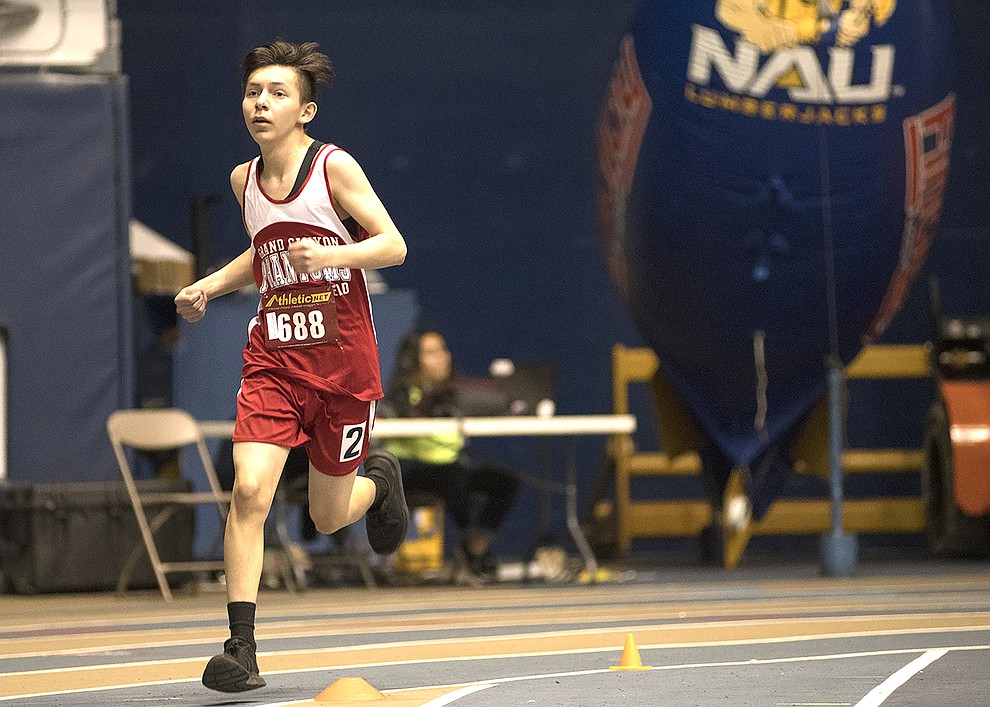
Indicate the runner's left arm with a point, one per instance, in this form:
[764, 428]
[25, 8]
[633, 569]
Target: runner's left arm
[353, 196]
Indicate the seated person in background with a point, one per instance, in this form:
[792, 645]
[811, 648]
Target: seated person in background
[478, 497]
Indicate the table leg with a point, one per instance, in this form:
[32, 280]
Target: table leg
[544, 516]
[546, 493]
[573, 526]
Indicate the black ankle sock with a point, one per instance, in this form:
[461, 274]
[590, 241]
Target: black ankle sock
[381, 488]
[241, 617]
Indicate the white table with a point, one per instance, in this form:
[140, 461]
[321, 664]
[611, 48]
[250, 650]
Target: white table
[569, 426]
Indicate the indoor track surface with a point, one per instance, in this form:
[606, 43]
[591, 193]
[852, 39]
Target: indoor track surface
[785, 635]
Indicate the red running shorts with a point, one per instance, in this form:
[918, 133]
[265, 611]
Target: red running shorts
[333, 428]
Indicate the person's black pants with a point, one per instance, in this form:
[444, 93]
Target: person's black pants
[477, 497]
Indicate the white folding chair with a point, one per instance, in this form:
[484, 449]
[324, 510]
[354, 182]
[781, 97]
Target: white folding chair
[162, 430]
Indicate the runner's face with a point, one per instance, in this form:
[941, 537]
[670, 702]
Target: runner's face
[434, 358]
[272, 104]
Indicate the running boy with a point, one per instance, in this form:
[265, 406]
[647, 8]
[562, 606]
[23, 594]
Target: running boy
[311, 374]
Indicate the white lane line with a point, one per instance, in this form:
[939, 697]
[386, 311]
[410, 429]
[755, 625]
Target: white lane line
[111, 649]
[456, 695]
[438, 702]
[937, 652]
[579, 651]
[495, 681]
[882, 691]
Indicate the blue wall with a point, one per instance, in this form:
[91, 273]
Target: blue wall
[65, 285]
[475, 122]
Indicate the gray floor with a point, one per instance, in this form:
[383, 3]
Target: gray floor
[771, 634]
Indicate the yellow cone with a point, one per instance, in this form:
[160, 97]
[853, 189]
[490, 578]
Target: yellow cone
[630, 657]
[349, 690]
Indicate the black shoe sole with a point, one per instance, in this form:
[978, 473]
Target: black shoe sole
[224, 674]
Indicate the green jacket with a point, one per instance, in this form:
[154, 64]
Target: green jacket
[430, 449]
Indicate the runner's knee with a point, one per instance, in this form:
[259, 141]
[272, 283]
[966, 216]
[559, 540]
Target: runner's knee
[250, 497]
[327, 520]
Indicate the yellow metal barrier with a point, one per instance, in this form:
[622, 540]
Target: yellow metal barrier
[641, 518]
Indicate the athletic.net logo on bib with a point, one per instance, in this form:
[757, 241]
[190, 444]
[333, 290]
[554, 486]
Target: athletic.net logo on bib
[299, 319]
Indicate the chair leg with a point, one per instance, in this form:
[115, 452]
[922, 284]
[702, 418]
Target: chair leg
[139, 549]
[125, 571]
[147, 535]
[352, 553]
[360, 558]
[293, 573]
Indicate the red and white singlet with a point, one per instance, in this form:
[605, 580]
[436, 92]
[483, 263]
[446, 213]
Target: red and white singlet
[293, 334]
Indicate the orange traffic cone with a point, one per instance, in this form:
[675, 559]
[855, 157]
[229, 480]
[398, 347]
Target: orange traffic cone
[630, 657]
[349, 690]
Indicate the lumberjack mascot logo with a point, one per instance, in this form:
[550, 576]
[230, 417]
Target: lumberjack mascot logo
[783, 24]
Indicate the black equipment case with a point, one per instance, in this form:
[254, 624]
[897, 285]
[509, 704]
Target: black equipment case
[62, 537]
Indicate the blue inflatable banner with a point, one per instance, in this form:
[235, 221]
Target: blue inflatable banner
[758, 161]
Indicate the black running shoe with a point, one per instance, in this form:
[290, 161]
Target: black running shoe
[234, 670]
[387, 525]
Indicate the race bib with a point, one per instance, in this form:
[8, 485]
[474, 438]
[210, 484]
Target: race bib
[299, 319]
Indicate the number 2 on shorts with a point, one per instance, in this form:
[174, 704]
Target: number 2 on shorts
[351, 442]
